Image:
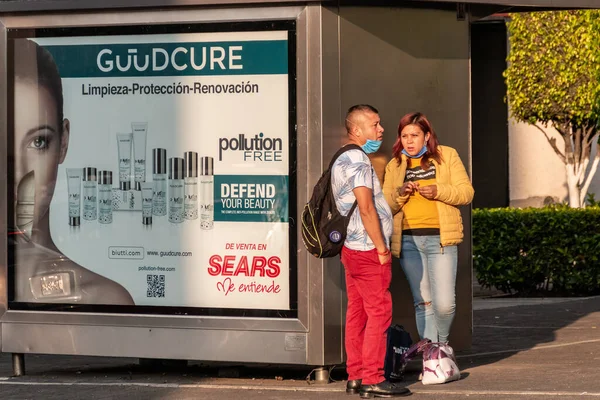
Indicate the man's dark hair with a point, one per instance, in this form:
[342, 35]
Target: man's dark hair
[358, 108]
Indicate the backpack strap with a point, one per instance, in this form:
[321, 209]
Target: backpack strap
[342, 150]
[351, 210]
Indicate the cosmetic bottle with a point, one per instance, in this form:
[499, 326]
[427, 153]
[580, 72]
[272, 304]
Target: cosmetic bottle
[74, 176]
[105, 207]
[90, 194]
[206, 203]
[147, 189]
[140, 132]
[176, 175]
[190, 204]
[124, 148]
[159, 178]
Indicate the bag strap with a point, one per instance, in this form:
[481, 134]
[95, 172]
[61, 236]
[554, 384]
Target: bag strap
[342, 150]
[350, 212]
[414, 350]
[441, 346]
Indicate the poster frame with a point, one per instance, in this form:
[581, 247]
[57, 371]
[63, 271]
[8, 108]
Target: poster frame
[289, 26]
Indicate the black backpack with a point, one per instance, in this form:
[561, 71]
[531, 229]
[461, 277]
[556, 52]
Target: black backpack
[323, 227]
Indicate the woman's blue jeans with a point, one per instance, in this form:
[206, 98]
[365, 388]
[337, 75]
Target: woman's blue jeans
[431, 273]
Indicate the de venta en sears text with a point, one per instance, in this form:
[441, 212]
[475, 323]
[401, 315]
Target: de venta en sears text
[231, 266]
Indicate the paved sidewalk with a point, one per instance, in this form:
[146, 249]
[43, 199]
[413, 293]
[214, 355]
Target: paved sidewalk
[522, 349]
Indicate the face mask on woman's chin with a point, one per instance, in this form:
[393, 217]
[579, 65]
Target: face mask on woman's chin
[419, 154]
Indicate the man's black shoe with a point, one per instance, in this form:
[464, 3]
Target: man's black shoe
[353, 387]
[383, 389]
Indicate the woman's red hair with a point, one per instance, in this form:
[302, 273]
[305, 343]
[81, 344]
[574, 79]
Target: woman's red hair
[420, 120]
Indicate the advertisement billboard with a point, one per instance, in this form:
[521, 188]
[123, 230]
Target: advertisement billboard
[152, 169]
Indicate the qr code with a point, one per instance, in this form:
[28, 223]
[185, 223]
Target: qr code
[156, 286]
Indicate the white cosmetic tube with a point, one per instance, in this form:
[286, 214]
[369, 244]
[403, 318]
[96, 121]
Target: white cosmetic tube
[190, 202]
[105, 190]
[147, 194]
[159, 179]
[90, 194]
[207, 199]
[74, 176]
[124, 147]
[176, 191]
[139, 130]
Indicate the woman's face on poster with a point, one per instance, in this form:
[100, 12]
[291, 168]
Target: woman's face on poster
[40, 145]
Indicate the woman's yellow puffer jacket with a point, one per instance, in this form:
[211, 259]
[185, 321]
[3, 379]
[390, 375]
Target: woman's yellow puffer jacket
[453, 189]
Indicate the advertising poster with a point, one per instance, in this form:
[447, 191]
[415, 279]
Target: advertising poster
[152, 170]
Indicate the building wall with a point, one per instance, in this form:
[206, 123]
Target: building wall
[535, 171]
[402, 60]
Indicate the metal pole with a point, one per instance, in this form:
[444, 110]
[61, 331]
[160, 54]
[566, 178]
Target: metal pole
[322, 375]
[18, 360]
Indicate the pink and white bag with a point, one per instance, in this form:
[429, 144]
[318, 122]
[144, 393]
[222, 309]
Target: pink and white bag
[439, 364]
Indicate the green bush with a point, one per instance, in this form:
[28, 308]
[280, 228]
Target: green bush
[551, 251]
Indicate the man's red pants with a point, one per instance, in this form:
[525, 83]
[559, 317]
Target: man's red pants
[369, 314]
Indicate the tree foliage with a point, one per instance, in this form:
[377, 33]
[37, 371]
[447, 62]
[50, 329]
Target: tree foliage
[553, 67]
[553, 80]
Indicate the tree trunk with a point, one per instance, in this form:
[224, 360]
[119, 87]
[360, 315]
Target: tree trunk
[588, 180]
[573, 187]
[576, 156]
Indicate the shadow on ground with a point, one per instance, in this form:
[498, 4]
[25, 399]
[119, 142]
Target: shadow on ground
[504, 331]
[500, 333]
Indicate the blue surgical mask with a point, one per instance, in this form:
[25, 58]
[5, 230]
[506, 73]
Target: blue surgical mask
[371, 146]
[423, 151]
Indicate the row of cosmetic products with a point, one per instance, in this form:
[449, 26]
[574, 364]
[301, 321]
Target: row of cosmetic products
[183, 191]
[183, 179]
[97, 195]
[190, 187]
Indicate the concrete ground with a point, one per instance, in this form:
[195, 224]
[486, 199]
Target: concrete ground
[522, 349]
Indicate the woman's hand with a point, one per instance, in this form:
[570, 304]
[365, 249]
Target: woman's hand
[429, 191]
[408, 188]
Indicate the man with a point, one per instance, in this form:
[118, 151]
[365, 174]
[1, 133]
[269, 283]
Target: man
[366, 257]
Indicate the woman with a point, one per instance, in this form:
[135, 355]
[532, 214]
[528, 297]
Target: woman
[424, 183]
[41, 139]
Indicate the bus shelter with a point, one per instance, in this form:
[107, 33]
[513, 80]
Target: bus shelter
[158, 153]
